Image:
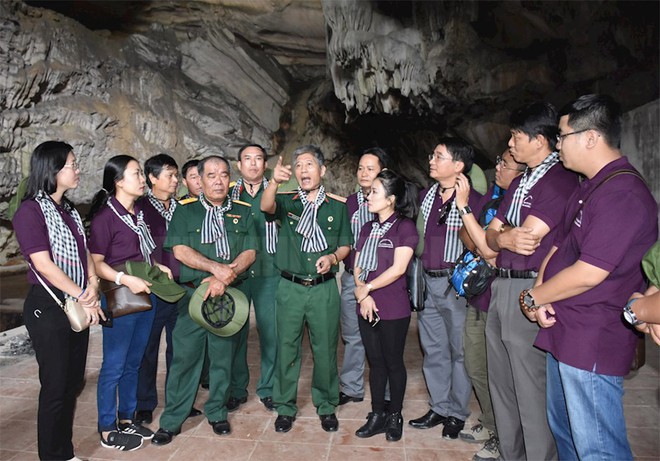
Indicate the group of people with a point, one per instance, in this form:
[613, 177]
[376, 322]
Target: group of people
[564, 225]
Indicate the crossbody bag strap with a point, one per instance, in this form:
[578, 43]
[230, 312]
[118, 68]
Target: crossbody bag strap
[57, 300]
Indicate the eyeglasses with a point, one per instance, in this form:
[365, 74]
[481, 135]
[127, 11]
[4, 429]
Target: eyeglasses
[434, 156]
[444, 213]
[73, 165]
[560, 137]
[500, 161]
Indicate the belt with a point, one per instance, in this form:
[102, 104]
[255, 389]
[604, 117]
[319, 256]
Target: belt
[308, 282]
[439, 273]
[515, 274]
[349, 270]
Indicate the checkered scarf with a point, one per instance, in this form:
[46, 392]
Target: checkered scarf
[313, 238]
[368, 259]
[271, 226]
[63, 245]
[160, 208]
[360, 217]
[213, 228]
[529, 179]
[453, 244]
[147, 245]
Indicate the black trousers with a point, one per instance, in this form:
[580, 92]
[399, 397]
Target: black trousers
[61, 354]
[384, 345]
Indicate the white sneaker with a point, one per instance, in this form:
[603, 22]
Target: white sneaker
[490, 451]
[476, 434]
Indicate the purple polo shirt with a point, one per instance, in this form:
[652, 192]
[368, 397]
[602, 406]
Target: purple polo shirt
[112, 238]
[434, 238]
[545, 201]
[352, 205]
[32, 234]
[158, 228]
[392, 301]
[615, 228]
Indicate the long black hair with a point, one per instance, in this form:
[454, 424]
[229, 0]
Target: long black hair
[47, 159]
[113, 172]
[405, 191]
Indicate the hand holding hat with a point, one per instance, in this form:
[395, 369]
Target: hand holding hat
[216, 287]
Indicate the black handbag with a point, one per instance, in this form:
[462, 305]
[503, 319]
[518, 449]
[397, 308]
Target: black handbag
[416, 284]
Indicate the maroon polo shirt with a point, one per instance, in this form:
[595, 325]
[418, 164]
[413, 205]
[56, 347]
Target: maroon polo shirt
[158, 227]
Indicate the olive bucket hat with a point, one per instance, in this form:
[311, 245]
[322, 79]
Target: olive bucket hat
[221, 315]
[161, 285]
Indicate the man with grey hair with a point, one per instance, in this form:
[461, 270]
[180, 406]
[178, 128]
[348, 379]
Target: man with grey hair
[315, 235]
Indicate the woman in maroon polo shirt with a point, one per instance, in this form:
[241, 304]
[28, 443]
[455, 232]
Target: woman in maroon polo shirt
[52, 238]
[118, 234]
[384, 250]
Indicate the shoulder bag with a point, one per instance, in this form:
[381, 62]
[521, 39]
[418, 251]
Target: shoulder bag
[120, 300]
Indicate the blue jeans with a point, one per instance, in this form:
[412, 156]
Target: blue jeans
[585, 413]
[123, 348]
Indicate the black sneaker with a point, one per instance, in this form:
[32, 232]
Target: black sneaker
[453, 426]
[120, 441]
[137, 429]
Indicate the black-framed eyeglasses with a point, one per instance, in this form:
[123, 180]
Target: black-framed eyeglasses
[561, 137]
[444, 213]
[500, 161]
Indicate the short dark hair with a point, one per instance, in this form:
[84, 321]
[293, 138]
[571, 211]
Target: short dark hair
[202, 163]
[113, 172]
[383, 156]
[188, 165]
[258, 146]
[460, 150]
[537, 118]
[308, 149]
[598, 112]
[405, 192]
[154, 165]
[47, 159]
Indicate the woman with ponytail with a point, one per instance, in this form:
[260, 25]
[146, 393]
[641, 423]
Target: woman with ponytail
[384, 250]
[52, 239]
[118, 234]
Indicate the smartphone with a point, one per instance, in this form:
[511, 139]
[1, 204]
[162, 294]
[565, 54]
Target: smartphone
[108, 319]
[375, 318]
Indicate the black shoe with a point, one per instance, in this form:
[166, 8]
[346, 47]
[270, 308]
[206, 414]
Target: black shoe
[284, 423]
[394, 427]
[268, 403]
[221, 427]
[139, 429]
[329, 423]
[163, 436]
[452, 427]
[375, 425]
[344, 399]
[194, 412]
[233, 403]
[143, 417]
[429, 420]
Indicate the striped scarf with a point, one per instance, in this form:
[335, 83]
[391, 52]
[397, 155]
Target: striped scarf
[529, 179]
[313, 238]
[360, 217]
[368, 259]
[63, 245]
[147, 245]
[453, 244]
[213, 228]
[160, 208]
[271, 226]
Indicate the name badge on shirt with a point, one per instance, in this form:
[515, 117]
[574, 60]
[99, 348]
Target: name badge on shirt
[293, 216]
[385, 243]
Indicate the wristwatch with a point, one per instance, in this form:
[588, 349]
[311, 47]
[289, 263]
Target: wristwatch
[527, 302]
[465, 210]
[370, 286]
[629, 315]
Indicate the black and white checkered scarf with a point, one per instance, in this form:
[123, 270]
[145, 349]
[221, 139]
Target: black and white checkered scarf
[529, 179]
[368, 259]
[160, 208]
[271, 226]
[361, 216]
[313, 238]
[63, 245]
[453, 244]
[213, 227]
[147, 245]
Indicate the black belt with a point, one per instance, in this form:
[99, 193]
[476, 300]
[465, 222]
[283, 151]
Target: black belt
[439, 273]
[308, 282]
[349, 270]
[515, 274]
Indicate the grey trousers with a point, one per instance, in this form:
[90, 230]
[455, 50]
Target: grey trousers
[516, 374]
[351, 377]
[476, 364]
[441, 325]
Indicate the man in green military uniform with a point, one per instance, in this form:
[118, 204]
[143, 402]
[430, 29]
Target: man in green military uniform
[215, 241]
[261, 283]
[315, 235]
